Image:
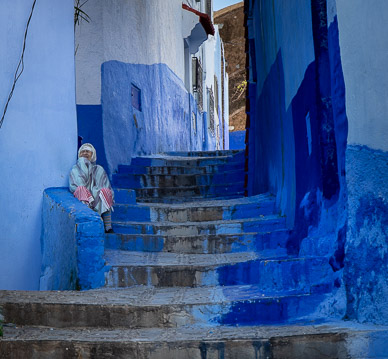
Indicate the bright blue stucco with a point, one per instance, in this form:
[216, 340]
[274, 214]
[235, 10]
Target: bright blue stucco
[297, 134]
[89, 121]
[38, 139]
[366, 261]
[237, 140]
[169, 119]
[72, 243]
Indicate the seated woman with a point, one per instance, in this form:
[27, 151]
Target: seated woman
[90, 184]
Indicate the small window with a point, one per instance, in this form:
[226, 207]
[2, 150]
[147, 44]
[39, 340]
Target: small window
[136, 97]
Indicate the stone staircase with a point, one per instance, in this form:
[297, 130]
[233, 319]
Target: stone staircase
[194, 270]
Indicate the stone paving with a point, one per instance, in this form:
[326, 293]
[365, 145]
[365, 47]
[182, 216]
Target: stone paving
[191, 277]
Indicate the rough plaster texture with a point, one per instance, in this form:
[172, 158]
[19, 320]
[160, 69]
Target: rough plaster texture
[363, 31]
[110, 36]
[168, 115]
[366, 265]
[292, 342]
[298, 128]
[38, 139]
[274, 29]
[72, 243]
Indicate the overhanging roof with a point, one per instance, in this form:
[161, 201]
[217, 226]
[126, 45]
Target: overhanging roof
[204, 19]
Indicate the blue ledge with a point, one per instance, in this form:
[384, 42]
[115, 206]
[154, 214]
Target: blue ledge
[72, 243]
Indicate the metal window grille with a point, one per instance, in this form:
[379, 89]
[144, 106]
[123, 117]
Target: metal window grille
[211, 111]
[216, 94]
[197, 82]
[209, 8]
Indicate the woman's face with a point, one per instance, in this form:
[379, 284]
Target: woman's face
[86, 154]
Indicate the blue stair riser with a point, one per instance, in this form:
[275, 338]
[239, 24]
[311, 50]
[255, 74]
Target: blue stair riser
[175, 200]
[284, 310]
[277, 275]
[197, 244]
[143, 181]
[188, 192]
[178, 170]
[205, 153]
[232, 311]
[307, 275]
[199, 229]
[171, 214]
[127, 196]
[204, 161]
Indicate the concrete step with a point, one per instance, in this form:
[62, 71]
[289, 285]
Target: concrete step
[197, 211]
[260, 224]
[178, 170]
[134, 181]
[149, 307]
[187, 192]
[205, 153]
[175, 200]
[164, 269]
[269, 243]
[315, 341]
[164, 160]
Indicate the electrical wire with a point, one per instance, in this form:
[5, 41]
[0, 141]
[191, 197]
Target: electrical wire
[20, 67]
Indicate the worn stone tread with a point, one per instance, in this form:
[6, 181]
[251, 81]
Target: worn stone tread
[224, 203]
[190, 333]
[262, 218]
[170, 259]
[145, 296]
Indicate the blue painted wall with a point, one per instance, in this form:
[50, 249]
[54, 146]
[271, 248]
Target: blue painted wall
[72, 243]
[340, 190]
[237, 140]
[298, 127]
[38, 139]
[364, 60]
[366, 261]
[165, 121]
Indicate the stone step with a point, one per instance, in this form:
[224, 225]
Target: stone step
[314, 341]
[149, 307]
[164, 269]
[197, 211]
[178, 170]
[163, 160]
[205, 153]
[188, 192]
[134, 181]
[270, 243]
[175, 200]
[260, 224]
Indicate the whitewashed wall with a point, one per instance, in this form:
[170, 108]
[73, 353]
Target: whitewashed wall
[136, 31]
[363, 35]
